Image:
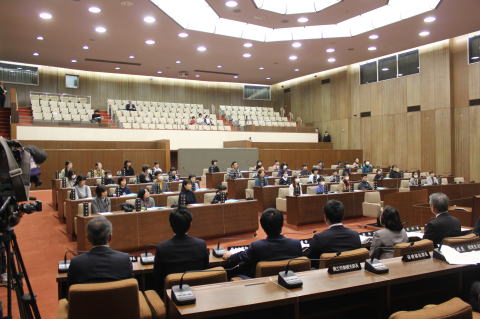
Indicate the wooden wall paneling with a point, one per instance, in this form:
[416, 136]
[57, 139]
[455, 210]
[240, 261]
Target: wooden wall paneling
[474, 143]
[378, 148]
[385, 140]
[295, 158]
[355, 133]
[474, 81]
[366, 129]
[459, 67]
[414, 141]
[462, 128]
[412, 90]
[400, 146]
[428, 140]
[427, 78]
[443, 141]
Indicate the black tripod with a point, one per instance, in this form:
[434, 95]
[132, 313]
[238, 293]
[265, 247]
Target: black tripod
[16, 272]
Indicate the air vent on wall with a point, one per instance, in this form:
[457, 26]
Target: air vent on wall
[287, 90]
[325, 81]
[365, 114]
[474, 102]
[216, 72]
[113, 62]
[414, 108]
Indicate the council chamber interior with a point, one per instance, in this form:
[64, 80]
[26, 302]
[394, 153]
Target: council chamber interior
[233, 158]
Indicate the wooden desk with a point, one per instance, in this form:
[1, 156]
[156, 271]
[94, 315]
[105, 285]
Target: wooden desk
[71, 206]
[237, 187]
[307, 209]
[214, 179]
[467, 216]
[134, 231]
[391, 182]
[266, 196]
[453, 191]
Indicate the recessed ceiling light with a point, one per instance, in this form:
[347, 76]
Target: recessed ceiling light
[296, 44]
[372, 48]
[40, 37]
[475, 57]
[94, 9]
[131, 57]
[159, 72]
[100, 29]
[429, 19]
[248, 45]
[117, 68]
[261, 68]
[201, 48]
[424, 33]
[36, 53]
[268, 78]
[85, 47]
[178, 62]
[235, 76]
[385, 69]
[219, 66]
[197, 75]
[247, 55]
[331, 60]
[73, 61]
[293, 57]
[330, 50]
[296, 70]
[183, 34]
[373, 36]
[149, 19]
[302, 19]
[150, 42]
[231, 4]
[45, 15]
[19, 68]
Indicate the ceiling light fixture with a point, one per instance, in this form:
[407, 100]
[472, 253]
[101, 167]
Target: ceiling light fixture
[235, 76]
[373, 36]
[201, 48]
[261, 68]
[149, 19]
[183, 34]
[268, 78]
[219, 66]
[385, 69]
[117, 68]
[94, 9]
[475, 57]
[40, 37]
[159, 72]
[101, 29]
[302, 19]
[330, 50]
[85, 47]
[131, 57]
[296, 44]
[231, 4]
[293, 57]
[36, 53]
[178, 62]
[73, 61]
[372, 48]
[429, 19]
[424, 33]
[331, 60]
[150, 42]
[45, 15]
[247, 55]
[248, 45]
[296, 70]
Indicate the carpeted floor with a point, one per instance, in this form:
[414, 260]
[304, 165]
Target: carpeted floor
[43, 242]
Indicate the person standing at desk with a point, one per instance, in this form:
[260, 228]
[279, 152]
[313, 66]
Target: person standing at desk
[260, 180]
[214, 167]
[101, 263]
[146, 175]
[392, 234]
[379, 175]
[122, 187]
[444, 224]
[187, 193]
[364, 185]
[130, 106]
[128, 169]
[81, 190]
[145, 200]
[64, 171]
[101, 203]
[337, 238]
[181, 253]
[233, 172]
[432, 179]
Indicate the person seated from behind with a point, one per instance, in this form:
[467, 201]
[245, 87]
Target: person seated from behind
[260, 180]
[356, 163]
[274, 247]
[146, 175]
[128, 169]
[415, 179]
[294, 185]
[156, 167]
[364, 185]
[221, 193]
[283, 169]
[200, 119]
[284, 179]
[81, 189]
[367, 168]
[192, 121]
[208, 120]
[432, 179]
[320, 165]
[233, 172]
[276, 165]
[64, 171]
[394, 172]
[96, 117]
[379, 175]
[181, 253]
[444, 224]
[335, 178]
[70, 179]
[195, 185]
[145, 200]
[130, 106]
[122, 187]
[98, 171]
[321, 188]
[101, 263]
[158, 184]
[172, 175]
[304, 172]
[259, 165]
[108, 178]
[336, 238]
[214, 167]
[344, 185]
[315, 177]
[101, 203]
[187, 193]
[392, 234]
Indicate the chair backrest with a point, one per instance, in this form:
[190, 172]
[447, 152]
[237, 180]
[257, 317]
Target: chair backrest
[458, 180]
[131, 201]
[372, 197]
[312, 190]
[407, 175]
[119, 299]
[80, 209]
[454, 308]
[172, 200]
[355, 255]
[444, 180]
[179, 187]
[333, 166]
[304, 180]
[271, 268]
[405, 248]
[460, 240]
[333, 187]
[404, 183]
[208, 197]
[250, 184]
[283, 192]
[370, 177]
[218, 274]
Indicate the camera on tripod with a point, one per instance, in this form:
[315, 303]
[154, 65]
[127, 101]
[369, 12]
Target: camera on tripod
[29, 208]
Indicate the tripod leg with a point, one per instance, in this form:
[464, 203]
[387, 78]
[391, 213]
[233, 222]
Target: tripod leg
[6, 246]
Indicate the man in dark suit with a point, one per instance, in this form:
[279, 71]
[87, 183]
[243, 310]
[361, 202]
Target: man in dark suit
[274, 247]
[101, 263]
[444, 224]
[364, 185]
[214, 167]
[181, 252]
[336, 238]
[130, 106]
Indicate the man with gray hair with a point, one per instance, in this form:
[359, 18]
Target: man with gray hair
[444, 224]
[101, 263]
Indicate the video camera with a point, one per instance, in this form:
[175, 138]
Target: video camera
[18, 170]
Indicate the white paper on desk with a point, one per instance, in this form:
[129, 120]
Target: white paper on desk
[106, 213]
[197, 204]
[453, 257]
[231, 200]
[465, 229]
[414, 234]
[365, 239]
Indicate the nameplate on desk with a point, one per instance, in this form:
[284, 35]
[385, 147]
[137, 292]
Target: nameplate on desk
[416, 255]
[232, 200]
[340, 268]
[465, 248]
[106, 213]
[368, 233]
[413, 229]
[133, 259]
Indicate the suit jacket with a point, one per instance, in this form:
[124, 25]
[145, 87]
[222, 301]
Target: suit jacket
[304, 172]
[334, 179]
[158, 188]
[444, 225]
[177, 255]
[124, 190]
[270, 249]
[189, 196]
[213, 169]
[282, 181]
[387, 238]
[364, 186]
[395, 174]
[378, 177]
[101, 205]
[260, 182]
[333, 240]
[100, 264]
[129, 171]
[145, 178]
[327, 138]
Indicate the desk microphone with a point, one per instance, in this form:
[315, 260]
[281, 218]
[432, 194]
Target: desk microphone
[437, 252]
[147, 258]
[220, 251]
[374, 265]
[64, 264]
